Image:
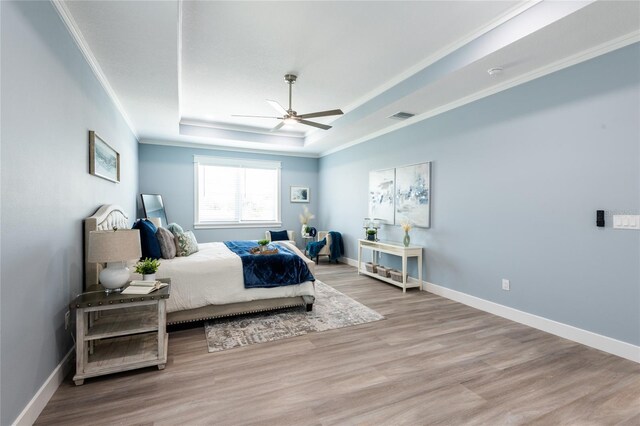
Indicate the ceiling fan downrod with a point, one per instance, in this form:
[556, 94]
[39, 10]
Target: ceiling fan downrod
[290, 79]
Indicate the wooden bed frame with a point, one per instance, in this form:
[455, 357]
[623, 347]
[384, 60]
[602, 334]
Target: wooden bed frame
[109, 216]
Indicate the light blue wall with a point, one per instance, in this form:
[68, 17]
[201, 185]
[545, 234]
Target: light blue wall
[50, 101]
[516, 180]
[168, 171]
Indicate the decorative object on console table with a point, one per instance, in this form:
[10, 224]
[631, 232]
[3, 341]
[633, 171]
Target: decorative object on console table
[147, 268]
[299, 194]
[114, 248]
[383, 271]
[104, 161]
[371, 234]
[116, 333]
[406, 226]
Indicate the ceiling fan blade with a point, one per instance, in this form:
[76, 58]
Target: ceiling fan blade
[314, 124]
[277, 107]
[282, 123]
[256, 116]
[322, 113]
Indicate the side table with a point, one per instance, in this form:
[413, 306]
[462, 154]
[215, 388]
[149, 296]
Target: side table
[118, 332]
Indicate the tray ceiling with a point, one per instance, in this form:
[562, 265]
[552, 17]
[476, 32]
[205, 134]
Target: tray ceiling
[179, 70]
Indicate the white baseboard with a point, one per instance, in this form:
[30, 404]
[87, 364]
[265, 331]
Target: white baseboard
[29, 415]
[588, 338]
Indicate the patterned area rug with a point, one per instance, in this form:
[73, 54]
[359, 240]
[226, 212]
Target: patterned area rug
[331, 309]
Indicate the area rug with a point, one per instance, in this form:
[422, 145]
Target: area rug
[331, 310]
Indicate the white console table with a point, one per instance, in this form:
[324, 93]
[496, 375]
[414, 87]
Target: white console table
[396, 249]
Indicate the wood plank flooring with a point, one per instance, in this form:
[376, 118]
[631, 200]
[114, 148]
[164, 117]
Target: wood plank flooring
[431, 361]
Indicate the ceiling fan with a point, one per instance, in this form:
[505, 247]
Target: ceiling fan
[289, 116]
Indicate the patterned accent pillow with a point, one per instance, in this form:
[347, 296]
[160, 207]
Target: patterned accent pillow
[186, 244]
[175, 229]
[167, 243]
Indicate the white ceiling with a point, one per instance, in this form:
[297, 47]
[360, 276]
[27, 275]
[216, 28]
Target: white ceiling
[179, 70]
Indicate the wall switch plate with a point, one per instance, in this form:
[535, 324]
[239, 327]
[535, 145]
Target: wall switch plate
[626, 221]
[67, 320]
[506, 285]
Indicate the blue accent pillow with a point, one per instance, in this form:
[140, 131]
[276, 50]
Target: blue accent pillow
[148, 240]
[279, 236]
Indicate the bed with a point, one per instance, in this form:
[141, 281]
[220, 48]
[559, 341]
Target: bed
[208, 284]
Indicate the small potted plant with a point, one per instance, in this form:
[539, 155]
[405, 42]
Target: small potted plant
[307, 231]
[263, 244]
[148, 268]
[371, 234]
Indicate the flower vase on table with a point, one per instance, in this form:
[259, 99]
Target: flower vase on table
[406, 226]
[305, 217]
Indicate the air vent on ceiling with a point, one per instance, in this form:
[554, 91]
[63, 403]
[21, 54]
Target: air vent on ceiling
[401, 115]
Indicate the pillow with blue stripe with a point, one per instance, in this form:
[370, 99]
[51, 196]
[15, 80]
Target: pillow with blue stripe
[148, 241]
[279, 235]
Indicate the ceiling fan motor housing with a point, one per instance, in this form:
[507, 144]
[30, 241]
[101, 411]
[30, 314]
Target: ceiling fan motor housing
[290, 78]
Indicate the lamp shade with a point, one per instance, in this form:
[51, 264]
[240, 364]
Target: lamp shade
[114, 246]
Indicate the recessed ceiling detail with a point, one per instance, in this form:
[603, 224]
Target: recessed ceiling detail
[182, 70]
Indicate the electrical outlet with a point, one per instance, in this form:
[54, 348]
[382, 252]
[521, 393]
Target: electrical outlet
[67, 320]
[506, 285]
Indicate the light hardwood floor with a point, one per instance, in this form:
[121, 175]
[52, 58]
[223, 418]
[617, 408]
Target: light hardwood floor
[431, 361]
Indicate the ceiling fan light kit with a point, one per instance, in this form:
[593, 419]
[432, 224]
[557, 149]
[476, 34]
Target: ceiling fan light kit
[289, 116]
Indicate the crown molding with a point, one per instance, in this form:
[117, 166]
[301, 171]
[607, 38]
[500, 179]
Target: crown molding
[567, 62]
[77, 36]
[196, 145]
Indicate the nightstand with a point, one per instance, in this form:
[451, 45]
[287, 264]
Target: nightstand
[117, 332]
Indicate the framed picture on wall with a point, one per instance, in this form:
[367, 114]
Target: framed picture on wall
[104, 161]
[381, 200]
[413, 195]
[299, 194]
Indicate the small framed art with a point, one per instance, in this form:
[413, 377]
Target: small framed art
[104, 161]
[299, 194]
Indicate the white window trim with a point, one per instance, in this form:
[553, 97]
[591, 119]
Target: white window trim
[237, 162]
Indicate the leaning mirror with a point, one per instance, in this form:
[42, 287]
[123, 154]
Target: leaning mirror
[154, 207]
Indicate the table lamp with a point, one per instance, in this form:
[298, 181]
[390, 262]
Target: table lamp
[114, 248]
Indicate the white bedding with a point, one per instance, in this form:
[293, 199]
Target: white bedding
[213, 276]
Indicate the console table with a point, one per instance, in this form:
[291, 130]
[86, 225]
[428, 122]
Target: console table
[395, 249]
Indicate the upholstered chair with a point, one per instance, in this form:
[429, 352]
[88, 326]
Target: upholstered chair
[325, 251]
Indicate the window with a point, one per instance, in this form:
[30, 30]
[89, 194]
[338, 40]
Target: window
[236, 193]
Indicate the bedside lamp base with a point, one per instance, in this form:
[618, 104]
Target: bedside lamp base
[114, 277]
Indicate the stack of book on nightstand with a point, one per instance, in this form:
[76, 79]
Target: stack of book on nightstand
[143, 287]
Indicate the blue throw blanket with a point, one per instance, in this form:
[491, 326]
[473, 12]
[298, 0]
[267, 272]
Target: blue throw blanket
[270, 270]
[335, 251]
